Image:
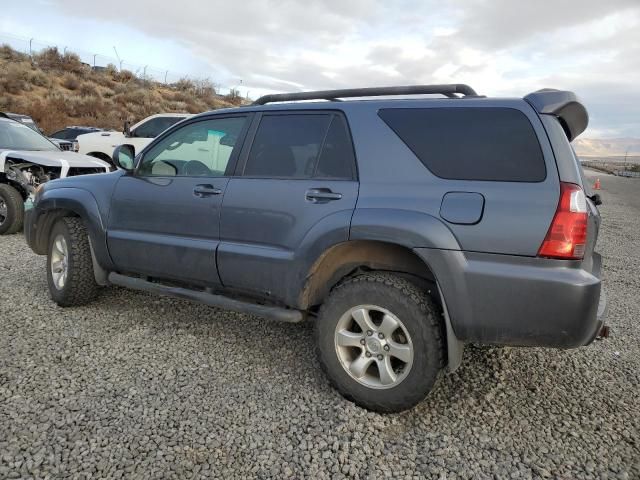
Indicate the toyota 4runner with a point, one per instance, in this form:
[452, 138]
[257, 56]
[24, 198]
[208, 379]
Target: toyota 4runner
[403, 227]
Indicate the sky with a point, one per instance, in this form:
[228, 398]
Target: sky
[499, 47]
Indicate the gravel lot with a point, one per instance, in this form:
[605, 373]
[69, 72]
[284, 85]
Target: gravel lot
[137, 386]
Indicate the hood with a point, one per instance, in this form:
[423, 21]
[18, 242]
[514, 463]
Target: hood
[53, 159]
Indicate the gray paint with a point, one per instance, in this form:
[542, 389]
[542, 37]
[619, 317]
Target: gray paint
[507, 300]
[269, 229]
[462, 208]
[159, 226]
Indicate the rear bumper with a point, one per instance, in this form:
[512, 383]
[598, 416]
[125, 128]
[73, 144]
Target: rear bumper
[520, 301]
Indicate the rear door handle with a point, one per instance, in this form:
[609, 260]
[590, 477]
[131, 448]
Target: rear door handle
[205, 190]
[321, 195]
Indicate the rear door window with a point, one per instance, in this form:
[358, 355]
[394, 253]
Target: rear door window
[314, 145]
[483, 143]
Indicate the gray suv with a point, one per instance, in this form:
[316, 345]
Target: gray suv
[404, 227]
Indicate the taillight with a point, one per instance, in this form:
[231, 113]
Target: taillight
[567, 235]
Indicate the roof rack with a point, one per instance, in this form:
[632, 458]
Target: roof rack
[450, 90]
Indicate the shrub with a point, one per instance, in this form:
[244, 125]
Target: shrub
[72, 63]
[39, 79]
[70, 82]
[88, 89]
[124, 76]
[49, 59]
[184, 85]
[234, 97]
[14, 78]
[8, 53]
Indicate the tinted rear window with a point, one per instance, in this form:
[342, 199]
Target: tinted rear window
[301, 146]
[336, 159]
[494, 144]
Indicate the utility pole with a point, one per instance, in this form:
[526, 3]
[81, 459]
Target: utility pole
[626, 153]
[94, 60]
[118, 57]
[30, 53]
[165, 76]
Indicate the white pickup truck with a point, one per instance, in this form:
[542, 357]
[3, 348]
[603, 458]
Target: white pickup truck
[101, 144]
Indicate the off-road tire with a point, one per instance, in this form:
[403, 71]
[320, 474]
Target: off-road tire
[420, 316]
[15, 209]
[80, 287]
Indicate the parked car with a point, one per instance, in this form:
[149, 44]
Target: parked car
[30, 122]
[24, 119]
[70, 135]
[28, 160]
[65, 145]
[405, 228]
[101, 144]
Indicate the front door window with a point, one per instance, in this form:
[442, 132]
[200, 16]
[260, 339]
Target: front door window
[199, 149]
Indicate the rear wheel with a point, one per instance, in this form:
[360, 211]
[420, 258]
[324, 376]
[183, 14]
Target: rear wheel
[380, 341]
[11, 210]
[69, 265]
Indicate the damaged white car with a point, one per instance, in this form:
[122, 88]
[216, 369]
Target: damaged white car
[27, 160]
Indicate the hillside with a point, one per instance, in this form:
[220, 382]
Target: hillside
[609, 147]
[59, 90]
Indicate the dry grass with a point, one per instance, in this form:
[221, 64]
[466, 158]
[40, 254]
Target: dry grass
[59, 90]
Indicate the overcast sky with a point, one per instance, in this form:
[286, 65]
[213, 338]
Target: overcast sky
[500, 47]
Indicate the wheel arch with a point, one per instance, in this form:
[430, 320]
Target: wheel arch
[12, 183]
[71, 202]
[100, 155]
[347, 258]
[352, 257]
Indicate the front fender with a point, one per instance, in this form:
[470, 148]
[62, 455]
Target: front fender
[57, 202]
[408, 228]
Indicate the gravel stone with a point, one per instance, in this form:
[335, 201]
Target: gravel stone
[138, 386]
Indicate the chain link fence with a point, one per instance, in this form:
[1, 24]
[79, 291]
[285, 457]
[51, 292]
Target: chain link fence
[97, 61]
[624, 166]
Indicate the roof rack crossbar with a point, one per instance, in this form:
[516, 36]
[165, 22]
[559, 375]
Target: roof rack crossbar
[448, 90]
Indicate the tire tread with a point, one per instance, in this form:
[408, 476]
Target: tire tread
[430, 314]
[11, 195]
[81, 287]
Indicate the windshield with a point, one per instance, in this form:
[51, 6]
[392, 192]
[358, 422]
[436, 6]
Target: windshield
[16, 136]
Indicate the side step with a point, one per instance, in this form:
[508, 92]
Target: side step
[273, 313]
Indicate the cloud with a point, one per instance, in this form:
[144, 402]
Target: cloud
[500, 47]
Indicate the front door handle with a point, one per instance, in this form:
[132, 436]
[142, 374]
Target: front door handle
[321, 195]
[205, 190]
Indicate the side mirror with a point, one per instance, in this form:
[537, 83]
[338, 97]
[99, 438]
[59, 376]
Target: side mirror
[123, 157]
[126, 129]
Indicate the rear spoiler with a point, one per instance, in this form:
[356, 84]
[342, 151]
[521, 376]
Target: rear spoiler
[565, 106]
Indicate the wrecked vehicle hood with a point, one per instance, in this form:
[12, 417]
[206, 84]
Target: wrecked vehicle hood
[64, 160]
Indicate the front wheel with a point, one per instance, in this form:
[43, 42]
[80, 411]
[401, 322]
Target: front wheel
[380, 341]
[11, 210]
[69, 265]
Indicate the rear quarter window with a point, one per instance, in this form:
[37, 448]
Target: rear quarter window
[480, 143]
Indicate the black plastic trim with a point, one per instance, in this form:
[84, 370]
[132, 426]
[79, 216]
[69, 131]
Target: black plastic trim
[448, 90]
[266, 311]
[565, 106]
